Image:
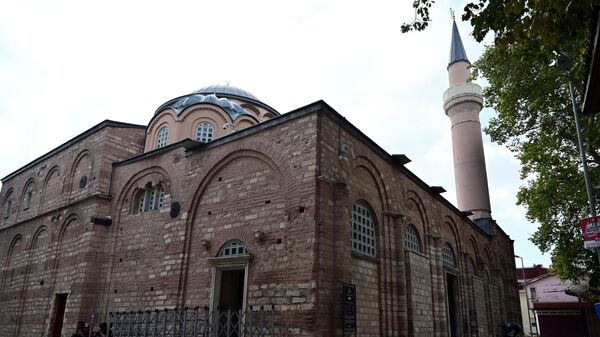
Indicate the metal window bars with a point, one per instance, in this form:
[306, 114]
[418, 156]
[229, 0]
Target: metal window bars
[196, 322]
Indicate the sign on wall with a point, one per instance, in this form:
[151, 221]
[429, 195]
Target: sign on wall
[591, 232]
[349, 306]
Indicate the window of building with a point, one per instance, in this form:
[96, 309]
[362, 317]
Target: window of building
[233, 248]
[448, 256]
[204, 132]
[151, 198]
[27, 197]
[7, 207]
[363, 230]
[533, 294]
[161, 140]
[411, 239]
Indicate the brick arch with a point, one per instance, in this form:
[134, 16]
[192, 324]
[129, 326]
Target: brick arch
[474, 246]
[69, 221]
[8, 195]
[365, 163]
[36, 235]
[195, 110]
[414, 199]
[82, 156]
[258, 150]
[450, 223]
[221, 163]
[159, 120]
[46, 182]
[13, 243]
[28, 183]
[139, 180]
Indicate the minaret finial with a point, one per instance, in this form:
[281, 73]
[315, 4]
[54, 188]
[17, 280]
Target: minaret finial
[452, 14]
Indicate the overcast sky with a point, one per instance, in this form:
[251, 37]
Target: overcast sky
[68, 65]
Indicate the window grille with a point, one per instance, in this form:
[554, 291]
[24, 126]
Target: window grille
[411, 239]
[233, 248]
[204, 132]
[363, 231]
[448, 256]
[151, 198]
[161, 196]
[141, 205]
[161, 141]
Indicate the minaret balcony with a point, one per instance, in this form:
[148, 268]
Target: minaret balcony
[461, 93]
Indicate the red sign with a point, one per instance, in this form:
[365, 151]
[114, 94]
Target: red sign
[591, 232]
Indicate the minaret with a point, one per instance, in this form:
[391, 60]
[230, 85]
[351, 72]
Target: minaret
[463, 102]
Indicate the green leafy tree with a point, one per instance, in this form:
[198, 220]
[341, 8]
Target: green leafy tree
[534, 113]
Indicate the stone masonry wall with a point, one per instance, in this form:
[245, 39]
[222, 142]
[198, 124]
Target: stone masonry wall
[51, 247]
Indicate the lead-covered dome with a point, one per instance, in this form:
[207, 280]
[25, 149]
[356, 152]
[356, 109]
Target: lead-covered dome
[233, 100]
[225, 90]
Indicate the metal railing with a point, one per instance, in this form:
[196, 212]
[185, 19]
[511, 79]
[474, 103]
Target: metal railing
[196, 322]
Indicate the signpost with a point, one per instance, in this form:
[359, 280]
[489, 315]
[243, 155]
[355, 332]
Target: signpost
[349, 307]
[591, 232]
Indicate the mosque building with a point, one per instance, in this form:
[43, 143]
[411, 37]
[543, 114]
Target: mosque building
[223, 203]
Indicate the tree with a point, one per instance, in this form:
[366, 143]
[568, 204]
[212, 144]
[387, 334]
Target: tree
[534, 113]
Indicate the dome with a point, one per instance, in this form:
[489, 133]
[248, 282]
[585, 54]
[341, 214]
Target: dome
[216, 95]
[225, 90]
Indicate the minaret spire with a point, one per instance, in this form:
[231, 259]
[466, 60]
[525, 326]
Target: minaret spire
[463, 102]
[457, 50]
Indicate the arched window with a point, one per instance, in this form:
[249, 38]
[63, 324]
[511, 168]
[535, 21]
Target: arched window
[411, 239]
[27, 196]
[448, 256]
[363, 230]
[161, 139]
[233, 248]
[204, 132]
[150, 198]
[7, 207]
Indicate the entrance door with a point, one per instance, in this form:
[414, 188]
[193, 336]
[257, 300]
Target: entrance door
[452, 300]
[231, 295]
[60, 303]
[231, 302]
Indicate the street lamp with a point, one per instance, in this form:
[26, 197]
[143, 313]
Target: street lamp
[564, 63]
[526, 296]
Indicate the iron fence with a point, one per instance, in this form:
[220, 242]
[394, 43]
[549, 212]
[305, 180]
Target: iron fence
[197, 322]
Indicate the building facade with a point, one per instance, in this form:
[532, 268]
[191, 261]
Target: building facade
[221, 202]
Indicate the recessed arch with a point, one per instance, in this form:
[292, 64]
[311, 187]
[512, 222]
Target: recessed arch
[366, 164]
[153, 176]
[27, 194]
[50, 181]
[14, 243]
[415, 200]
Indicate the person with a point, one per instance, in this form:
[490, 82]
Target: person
[81, 330]
[103, 332]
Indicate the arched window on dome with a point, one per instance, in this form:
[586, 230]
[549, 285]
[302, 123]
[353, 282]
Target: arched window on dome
[363, 230]
[150, 198]
[448, 259]
[233, 248]
[204, 132]
[161, 139]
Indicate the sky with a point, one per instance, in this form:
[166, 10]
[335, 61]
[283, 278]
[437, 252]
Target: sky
[67, 65]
